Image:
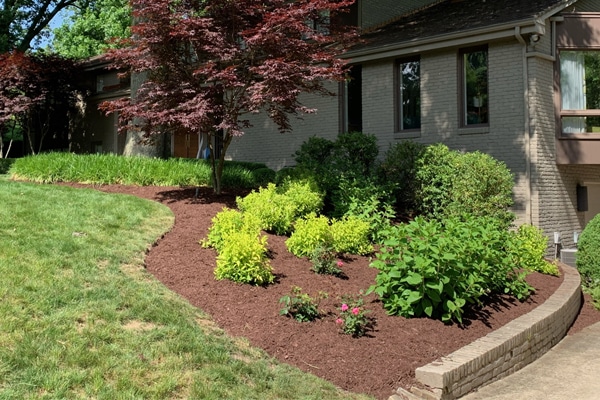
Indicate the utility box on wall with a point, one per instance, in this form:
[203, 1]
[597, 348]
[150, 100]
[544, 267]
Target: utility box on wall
[569, 257]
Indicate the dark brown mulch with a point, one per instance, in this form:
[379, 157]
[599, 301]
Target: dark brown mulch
[377, 363]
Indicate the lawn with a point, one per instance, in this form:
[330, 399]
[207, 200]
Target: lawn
[82, 319]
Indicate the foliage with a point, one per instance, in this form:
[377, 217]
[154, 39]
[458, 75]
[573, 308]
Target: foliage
[399, 168]
[350, 158]
[367, 201]
[529, 247]
[324, 260]
[588, 254]
[209, 64]
[351, 235]
[23, 22]
[353, 316]
[434, 268]
[92, 30]
[90, 307]
[309, 233]
[301, 306]
[452, 184]
[243, 259]
[37, 92]
[225, 223]
[111, 168]
[278, 207]
[5, 164]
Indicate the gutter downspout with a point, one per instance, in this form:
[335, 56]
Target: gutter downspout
[526, 55]
[527, 127]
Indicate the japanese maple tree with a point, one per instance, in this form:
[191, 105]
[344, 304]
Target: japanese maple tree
[37, 91]
[207, 64]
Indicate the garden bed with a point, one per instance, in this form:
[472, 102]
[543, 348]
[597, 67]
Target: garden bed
[377, 363]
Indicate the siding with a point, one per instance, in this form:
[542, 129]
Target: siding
[264, 143]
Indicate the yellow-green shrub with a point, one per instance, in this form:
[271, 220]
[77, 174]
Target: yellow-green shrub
[229, 221]
[351, 235]
[243, 259]
[529, 248]
[309, 233]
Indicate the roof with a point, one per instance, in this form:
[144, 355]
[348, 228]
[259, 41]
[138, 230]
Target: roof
[457, 16]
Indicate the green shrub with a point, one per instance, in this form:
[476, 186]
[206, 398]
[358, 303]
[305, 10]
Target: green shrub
[588, 254]
[399, 168]
[529, 247]
[301, 306]
[263, 176]
[352, 156]
[452, 184]
[309, 233]
[227, 222]
[351, 235]
[243, 259]
[278, 207]
[5, 164]
[366, 201]
[435, 269]
[324, 261]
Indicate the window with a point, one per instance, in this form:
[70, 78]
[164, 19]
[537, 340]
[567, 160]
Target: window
[408, 94]
[474, 86]
[580, 92]
[351, 101]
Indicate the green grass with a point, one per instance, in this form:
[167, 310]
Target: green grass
[80, 317]
[110, 168]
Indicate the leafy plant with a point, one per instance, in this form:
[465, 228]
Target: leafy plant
[277, 208]
[529, 246]
[436, 268]
[309, 233]
[301, 306]
[367, 201]
[353, 316]
[399, 168]
[351, 235]
[451, 184]
[325, 261]
[243, 259]
[225, 223]
[588, 254]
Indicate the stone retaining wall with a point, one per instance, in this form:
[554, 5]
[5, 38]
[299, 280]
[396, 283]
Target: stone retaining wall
[507, 349]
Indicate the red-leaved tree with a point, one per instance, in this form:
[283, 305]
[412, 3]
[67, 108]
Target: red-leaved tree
[36, 93]
[207, 64]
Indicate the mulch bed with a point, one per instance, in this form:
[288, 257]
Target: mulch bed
[377, 364]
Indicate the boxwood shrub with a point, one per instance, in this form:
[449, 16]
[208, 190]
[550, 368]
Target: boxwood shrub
[588, 254]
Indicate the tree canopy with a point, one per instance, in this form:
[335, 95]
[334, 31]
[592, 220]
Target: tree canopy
[91, 31]
[207, 64]
[23, 21]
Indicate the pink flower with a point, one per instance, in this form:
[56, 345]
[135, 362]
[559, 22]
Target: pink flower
[340, 264]
[339, 321]
[344, 307]
[355, 310]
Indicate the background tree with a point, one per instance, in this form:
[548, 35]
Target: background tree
[36, 94]
[23, 21]
[90, 31]
[208, 63]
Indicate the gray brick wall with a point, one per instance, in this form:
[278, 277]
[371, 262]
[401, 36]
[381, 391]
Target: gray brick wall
[264, 143]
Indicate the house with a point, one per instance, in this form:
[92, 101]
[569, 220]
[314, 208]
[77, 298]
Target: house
[519, 80]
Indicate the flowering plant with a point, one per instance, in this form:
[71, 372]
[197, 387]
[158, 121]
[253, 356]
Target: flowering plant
[325, 262]
[353, 316]
[301, 306]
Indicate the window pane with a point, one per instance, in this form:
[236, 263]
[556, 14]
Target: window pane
[580, 89]
[410, 95]
[475, 89]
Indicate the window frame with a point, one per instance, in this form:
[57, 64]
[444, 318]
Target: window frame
[594, 112]
[398, 98]
[462, 89]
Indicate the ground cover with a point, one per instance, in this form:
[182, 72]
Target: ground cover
[81, 318]
[378, 363]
